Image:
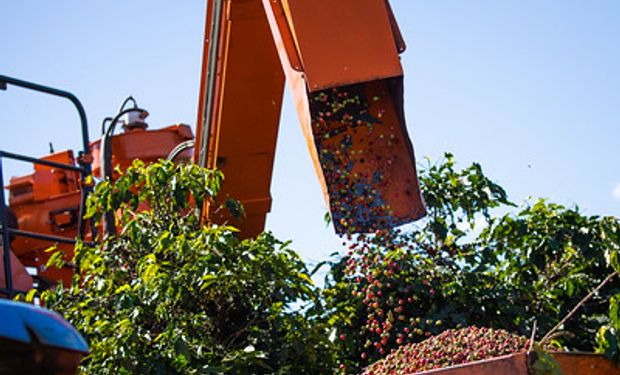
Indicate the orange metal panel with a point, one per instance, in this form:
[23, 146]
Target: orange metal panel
[45, 182]
[47, 201]
[356, 134]
[398, 36]
[146, 145]
[517, 364]
[343, 42]
[365, 156]
[203, 83]
[45, 217]
[585, 364]
[248, 97]
[21, 279]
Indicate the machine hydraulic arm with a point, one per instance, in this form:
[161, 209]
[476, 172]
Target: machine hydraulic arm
[341, 60]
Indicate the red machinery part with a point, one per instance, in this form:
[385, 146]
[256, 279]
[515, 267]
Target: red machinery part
[139, 143]
[341, 59]
[518, 364]
[21, 279]
[346, 45]
[47, 201]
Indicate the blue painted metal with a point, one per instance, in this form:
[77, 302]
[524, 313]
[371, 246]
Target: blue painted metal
[25, 323]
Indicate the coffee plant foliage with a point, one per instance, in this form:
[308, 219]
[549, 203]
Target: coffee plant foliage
[168, 295]
[608, 335]
[477, 259]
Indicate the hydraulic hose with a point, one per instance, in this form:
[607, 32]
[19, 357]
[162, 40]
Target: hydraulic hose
[106, 158]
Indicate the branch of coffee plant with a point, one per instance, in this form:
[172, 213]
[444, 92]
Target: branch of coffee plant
[576, 308]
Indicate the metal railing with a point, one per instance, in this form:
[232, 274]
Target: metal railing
[84, 169]
[8, 232]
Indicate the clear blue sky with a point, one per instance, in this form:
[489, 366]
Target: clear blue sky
[528, 88]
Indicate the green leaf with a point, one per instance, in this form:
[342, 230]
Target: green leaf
[122, 289]
[614, 311]
[51, 248]
[207, 281]
[614, 260]
[30, 295]
[327, 218]
[56, 260]
[545, 363]
[305, 277]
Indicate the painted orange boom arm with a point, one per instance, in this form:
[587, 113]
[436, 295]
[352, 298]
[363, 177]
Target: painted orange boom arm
[341, 60]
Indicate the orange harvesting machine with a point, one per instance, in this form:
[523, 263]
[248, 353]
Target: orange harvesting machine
[341, 60]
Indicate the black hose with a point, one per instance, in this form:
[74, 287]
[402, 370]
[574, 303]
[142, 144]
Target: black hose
[106, 143]
[127, 100]
[103, 123]
[106, 162]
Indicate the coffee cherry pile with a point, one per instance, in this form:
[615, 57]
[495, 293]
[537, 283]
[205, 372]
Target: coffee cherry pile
[452, 347]
[350, 139]
[397, 289]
